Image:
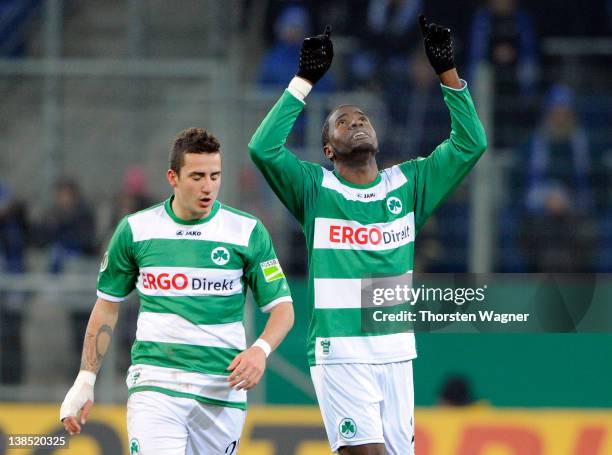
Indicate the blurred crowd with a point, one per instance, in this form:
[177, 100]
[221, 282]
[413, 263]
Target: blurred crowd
[556, 169]
[70, 236]
[557, 175]
[555, 215]
[68, 229]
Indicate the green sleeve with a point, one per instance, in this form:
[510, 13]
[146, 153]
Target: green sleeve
[263, 272]
[436, 176]
[294, 181]
[118, 271]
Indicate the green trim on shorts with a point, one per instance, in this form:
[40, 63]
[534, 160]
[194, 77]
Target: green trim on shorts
[174, 393]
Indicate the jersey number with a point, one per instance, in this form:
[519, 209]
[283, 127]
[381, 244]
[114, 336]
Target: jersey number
[231, 448]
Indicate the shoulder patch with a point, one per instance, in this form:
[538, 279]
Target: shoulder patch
[271, 270]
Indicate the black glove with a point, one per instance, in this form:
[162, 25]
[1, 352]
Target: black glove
[438, 45]
[316, 56]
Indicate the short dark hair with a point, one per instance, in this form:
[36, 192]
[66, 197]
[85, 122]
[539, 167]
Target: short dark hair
[191, 140]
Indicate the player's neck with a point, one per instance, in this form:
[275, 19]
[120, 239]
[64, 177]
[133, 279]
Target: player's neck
[361, 174]
[183, 213]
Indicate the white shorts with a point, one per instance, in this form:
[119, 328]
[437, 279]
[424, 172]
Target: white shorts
[160, 424]
[363, 403]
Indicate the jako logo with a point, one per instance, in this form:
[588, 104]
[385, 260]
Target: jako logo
[366, 195]
[181, 232]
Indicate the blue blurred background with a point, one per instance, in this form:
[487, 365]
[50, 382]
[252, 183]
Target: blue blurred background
[93, 94]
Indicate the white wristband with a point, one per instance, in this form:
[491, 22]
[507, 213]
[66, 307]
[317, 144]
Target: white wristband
[300, 88]
[264, 345]
[80, 393]
[88, 377]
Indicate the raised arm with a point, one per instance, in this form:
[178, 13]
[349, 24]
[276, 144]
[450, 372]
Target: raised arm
[291, 179]
[436, 176]
[98, 335]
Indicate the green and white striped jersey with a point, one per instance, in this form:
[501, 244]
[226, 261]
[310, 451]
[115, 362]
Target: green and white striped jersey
[191, 278]
[355, 232]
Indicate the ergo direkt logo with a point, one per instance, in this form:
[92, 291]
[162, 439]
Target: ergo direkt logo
[164, 281]
[366, 235]
[187, 281]
[345, 234]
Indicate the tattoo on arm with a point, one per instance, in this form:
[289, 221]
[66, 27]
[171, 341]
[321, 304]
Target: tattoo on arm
[95, 347]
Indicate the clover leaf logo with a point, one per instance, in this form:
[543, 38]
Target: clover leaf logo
[325, 345]
[348, 428]
[134, 446]
[394, 205]
[220, 255]
[135, 377]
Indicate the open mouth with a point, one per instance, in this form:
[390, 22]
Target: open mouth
[360, 135]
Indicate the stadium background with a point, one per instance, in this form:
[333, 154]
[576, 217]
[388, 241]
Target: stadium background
[94, 92]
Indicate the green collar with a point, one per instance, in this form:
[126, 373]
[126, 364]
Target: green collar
[171, 214]
[375, 182]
